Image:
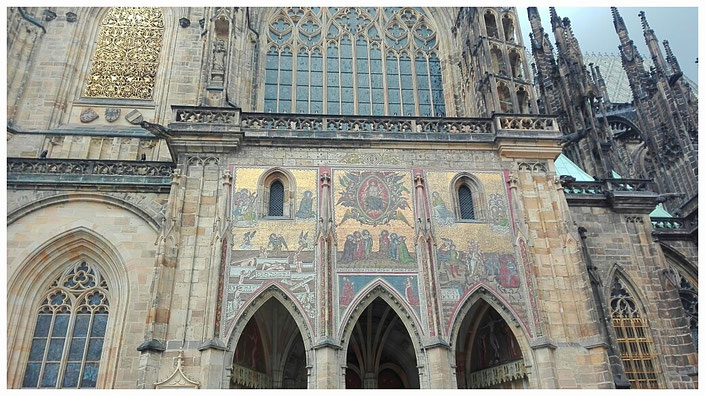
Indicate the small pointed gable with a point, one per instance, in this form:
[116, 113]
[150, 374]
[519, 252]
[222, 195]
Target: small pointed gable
[660, 211]
[566, 167]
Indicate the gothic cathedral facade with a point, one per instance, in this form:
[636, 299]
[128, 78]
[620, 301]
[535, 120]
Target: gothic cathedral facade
[344, 197]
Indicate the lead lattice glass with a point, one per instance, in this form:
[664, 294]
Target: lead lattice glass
[633, 338]
[68, 337]
[353, 60]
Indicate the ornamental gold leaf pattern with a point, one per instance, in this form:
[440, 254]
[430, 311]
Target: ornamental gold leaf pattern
[127, 54]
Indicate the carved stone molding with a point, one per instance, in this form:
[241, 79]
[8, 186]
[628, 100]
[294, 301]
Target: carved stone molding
[178, 379]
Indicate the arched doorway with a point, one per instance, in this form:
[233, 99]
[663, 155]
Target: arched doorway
[270, 352]
[488, 354]
[380, 354]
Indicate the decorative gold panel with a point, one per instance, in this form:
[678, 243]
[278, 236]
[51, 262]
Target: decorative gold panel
[127, 54]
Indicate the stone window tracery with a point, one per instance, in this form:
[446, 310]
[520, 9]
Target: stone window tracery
[633, 337]
[688, 293]
[126, 56]
[67, 342]
[376, 61]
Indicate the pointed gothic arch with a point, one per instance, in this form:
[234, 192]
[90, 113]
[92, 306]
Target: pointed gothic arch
[271, 298]
[152, 219]
[46, 264]
[631, 331]
[513, 369]
[380, 297]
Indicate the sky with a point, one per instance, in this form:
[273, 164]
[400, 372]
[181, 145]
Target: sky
[595, 32]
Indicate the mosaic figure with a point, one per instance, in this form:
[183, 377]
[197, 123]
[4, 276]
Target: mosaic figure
[440, 211]
[384, 243]
[367, 242]
[276, 241]
[348, 250]
[508, 274]
[449, 256]
[247, 240]
[348, 292]
[306, 206]
[373, 198]
[411, 295]
[359, 248]
[244, 214]
[403, 255]
[498, 210]
[473, 258]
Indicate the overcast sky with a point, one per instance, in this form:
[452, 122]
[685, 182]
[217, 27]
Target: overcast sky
[595, 32]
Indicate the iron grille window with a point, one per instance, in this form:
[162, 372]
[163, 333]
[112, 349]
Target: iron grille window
[467, 211]
[635, 345]
[69, 333]
[276, 199]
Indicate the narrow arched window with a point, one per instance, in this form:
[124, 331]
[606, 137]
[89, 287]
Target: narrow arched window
[508, 25]
[523, 99]
[505, 99]
[353, 60]
[467, 210]
[126, 56]
[491, 25]
[68, 337]
[498, 61]
[276, 199]
[633, 337]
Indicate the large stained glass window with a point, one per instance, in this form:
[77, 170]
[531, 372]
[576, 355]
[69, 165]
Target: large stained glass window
[633, 337]
[68, 337]
[353, 60]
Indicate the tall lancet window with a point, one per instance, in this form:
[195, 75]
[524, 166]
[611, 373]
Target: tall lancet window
[353, 60]
[126, 56]
[633, 337]
[68, 337]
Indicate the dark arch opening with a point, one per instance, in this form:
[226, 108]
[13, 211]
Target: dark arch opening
[488, 355]
[380, 354]
[270, 353]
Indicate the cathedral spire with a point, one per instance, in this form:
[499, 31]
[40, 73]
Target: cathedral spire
[602, 85]
[671, 59]
[558, 33]
[555, 19]
[618, 21]
[652, 43]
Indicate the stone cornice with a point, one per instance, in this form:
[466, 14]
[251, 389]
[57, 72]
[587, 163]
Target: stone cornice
[113, 175]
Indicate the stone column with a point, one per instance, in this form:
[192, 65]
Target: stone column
[327, 365]
[162, 286]
[439, 375]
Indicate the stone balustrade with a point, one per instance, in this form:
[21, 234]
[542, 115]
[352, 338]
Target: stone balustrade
[190, 115]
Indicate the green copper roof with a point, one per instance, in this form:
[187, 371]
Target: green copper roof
[566, 167]
[660, 211]
[616, 175]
